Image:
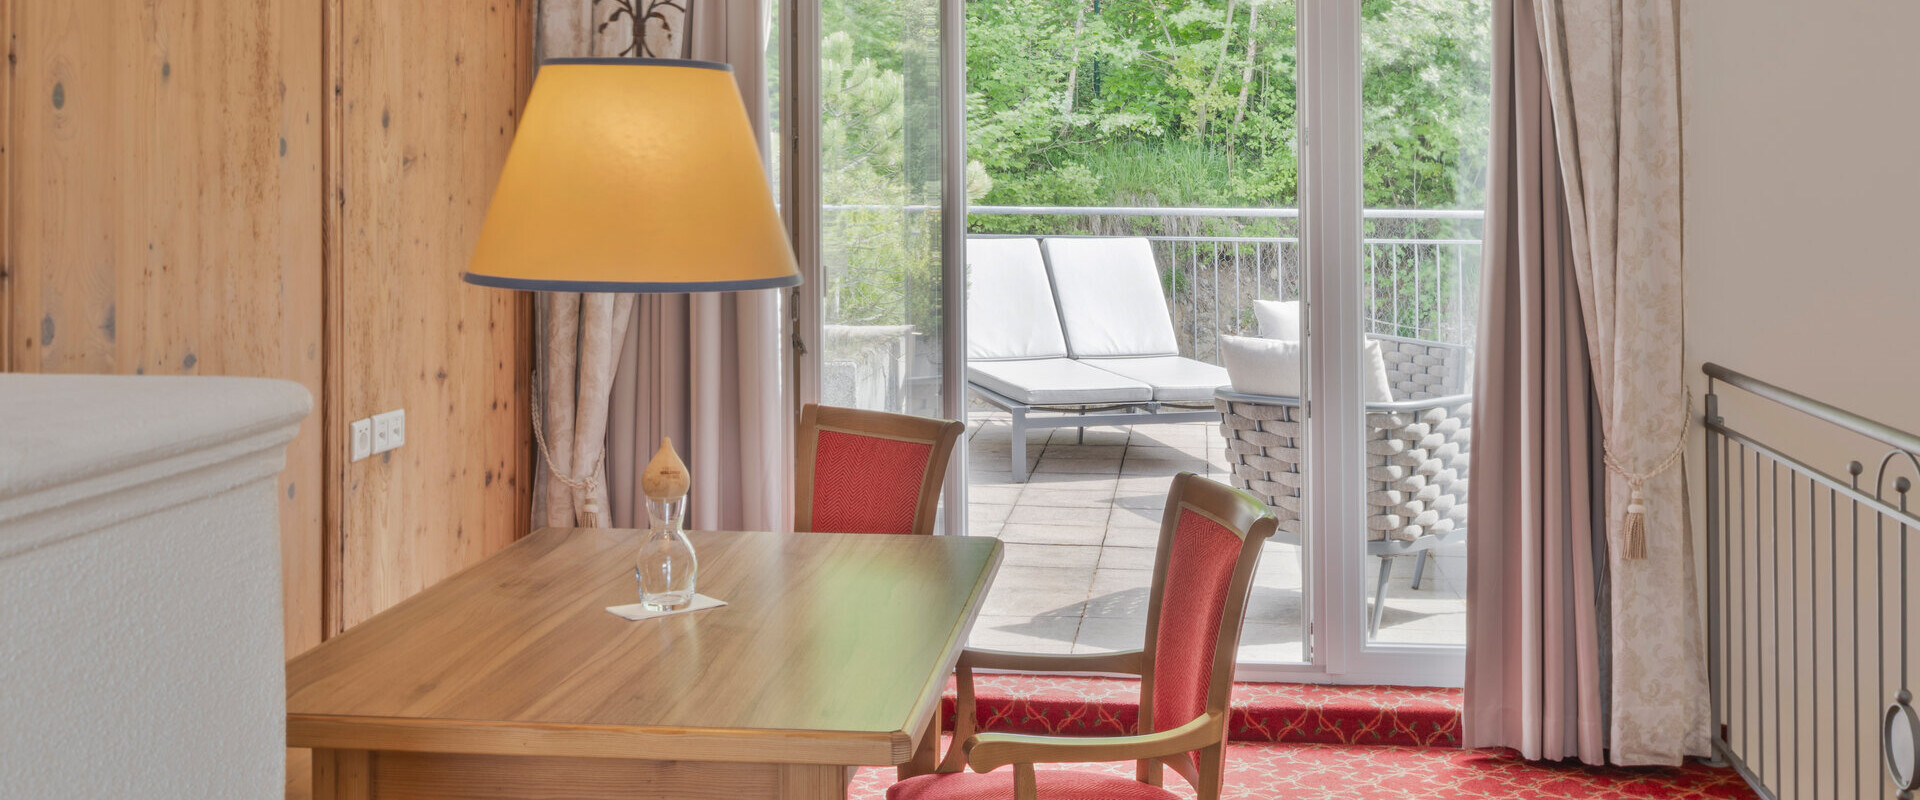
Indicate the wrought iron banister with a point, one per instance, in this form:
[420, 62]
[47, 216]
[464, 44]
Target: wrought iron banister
[1810, 689]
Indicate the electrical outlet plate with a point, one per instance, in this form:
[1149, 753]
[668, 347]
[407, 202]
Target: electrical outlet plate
[362, 438]
[389, 430]
[381, 441]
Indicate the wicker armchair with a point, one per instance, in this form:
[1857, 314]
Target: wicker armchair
[1417, 455]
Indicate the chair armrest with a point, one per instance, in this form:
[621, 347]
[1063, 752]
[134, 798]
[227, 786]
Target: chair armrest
[1446, 401]
[1130, 662]
[989, 751]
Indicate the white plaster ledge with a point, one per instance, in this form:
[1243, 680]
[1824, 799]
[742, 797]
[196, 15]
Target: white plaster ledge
[79, 453]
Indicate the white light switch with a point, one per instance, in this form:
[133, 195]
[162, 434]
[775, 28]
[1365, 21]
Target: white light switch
[380, 439]
[362, 436]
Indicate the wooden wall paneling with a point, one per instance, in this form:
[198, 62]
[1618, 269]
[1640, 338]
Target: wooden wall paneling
[162, 210]
[6, 188]
[427, 100]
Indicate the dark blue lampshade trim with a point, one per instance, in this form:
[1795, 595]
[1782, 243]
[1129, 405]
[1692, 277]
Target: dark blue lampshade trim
[644, 62]
[630, 287]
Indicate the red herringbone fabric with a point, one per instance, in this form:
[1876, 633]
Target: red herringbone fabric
[1053, 784]
[867, 484]
[1199, 570]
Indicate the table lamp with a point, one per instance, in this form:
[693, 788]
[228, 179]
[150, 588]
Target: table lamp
[634, 175]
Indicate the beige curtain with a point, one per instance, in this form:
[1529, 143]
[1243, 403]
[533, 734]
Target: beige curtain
[1535, 671]
[579, 335]
[1613, 72]
[618, 372]
[710, 370]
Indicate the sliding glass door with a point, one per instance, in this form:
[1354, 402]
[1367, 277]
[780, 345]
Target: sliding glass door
[872, 103]
[1309, 171]
[1396, 102]
[879, 282]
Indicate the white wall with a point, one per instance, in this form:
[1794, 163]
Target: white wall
[1802, 160]
[1802, 165]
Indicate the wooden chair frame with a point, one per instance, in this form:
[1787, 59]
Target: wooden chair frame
[941, 434]
[1239, 512]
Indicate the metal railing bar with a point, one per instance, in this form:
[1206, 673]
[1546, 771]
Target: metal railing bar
[1804, 468]
[1168, 211]
[1773, 529]
[1746, 665]
[1880, 612]
[1879, 431]
[1154, 238]
[1793, 543]
[1833, 622]
[1854, 469]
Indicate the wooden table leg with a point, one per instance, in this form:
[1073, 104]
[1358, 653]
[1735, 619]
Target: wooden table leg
[926, 757]
[342, 775]
[812, 782]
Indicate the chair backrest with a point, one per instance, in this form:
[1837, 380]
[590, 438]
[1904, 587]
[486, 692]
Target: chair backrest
[869, 471]
[1010, 306]
[1418, 369]
[1111, 303]
[1210, 538]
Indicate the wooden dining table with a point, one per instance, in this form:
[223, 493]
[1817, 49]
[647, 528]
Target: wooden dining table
[511, 680]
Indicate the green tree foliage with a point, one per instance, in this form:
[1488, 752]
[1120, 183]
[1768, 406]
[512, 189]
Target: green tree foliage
[1193, 102]
[1123, 102]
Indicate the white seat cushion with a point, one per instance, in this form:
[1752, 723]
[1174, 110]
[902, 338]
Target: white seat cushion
[1278, 320]
[1271, 367]
[1056, 382]
[1111, 304]
[1174, 379]
[1010, 311]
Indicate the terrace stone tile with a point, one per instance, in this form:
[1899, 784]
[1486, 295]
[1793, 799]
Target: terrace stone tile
[1063, 556]
[1024, 634]
[1019, 533]
[1127, 557]
[1091, 496]
[1081, 532]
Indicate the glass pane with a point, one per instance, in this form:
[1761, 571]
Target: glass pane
[1425, 95]
[1173, 125]
[880, 192]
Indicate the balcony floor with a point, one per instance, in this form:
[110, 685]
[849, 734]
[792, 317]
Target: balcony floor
[1080, 535]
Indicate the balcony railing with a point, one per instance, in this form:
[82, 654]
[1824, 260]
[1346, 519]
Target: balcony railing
[1419, 270]
[1419, 275]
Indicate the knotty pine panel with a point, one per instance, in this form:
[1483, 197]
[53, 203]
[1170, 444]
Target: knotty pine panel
[163, 209]
[425, 101]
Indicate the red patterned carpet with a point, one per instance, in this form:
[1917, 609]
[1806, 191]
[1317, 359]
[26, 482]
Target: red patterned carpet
[1304, 742]
[1262, 712]
[1342, 772]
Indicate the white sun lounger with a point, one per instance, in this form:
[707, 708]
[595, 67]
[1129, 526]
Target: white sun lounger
[1082, 329]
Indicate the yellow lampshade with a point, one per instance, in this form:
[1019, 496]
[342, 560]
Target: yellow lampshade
[633, 175]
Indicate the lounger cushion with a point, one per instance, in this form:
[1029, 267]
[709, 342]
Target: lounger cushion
[1010, 312]
[1174, 379]
[1055, 382]
[1111, 304]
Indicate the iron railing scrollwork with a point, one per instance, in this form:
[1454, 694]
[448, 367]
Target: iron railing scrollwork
[1807, 624]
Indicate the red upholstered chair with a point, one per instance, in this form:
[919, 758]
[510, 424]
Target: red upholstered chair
[1210, 541]
[869, 471]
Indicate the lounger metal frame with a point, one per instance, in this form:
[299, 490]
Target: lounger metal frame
[1083, 416]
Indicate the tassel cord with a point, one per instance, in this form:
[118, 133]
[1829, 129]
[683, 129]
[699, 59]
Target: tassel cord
[1634, 523]
[590, 507]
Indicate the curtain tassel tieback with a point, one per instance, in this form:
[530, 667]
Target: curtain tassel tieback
[585, 490]
[1633, 525]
